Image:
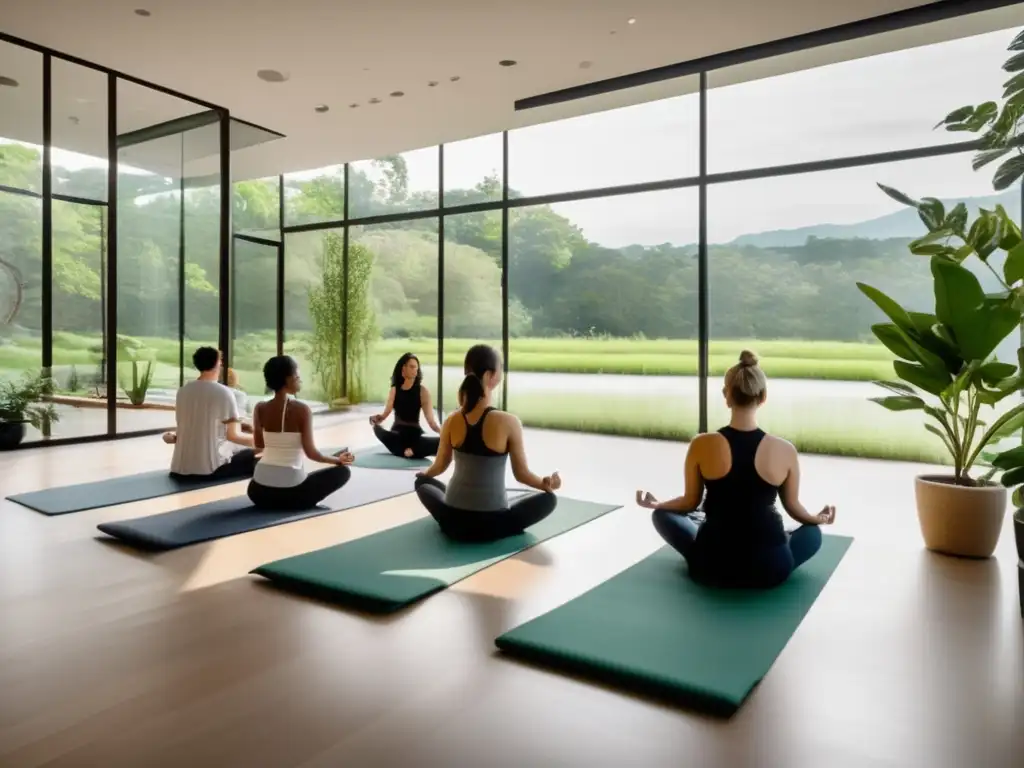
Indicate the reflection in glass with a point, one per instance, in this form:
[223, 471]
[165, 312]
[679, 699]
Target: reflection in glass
[254, 314]
[314, 196]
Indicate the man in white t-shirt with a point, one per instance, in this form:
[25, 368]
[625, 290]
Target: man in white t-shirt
[208, 424]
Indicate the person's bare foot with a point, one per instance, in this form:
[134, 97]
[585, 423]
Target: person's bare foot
[408, 453]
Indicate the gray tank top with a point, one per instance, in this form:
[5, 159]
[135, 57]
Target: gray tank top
[478, 483]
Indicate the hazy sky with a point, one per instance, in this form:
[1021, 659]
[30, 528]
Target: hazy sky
[877, 104]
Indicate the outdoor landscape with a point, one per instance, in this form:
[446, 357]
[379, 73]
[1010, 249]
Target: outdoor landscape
[601, 339]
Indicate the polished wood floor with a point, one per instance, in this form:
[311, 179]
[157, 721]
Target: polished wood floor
[109, 658]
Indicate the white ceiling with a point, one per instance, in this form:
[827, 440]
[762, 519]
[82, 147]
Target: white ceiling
[341, 52]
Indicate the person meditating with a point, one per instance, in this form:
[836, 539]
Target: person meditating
[407, 398]
[742, 542]
[283, 431]
[209, 427]
[474, 506]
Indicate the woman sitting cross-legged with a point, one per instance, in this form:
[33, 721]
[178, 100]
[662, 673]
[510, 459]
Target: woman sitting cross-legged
[283, 431]
[474, 506]
[742, 542]
[407, 398]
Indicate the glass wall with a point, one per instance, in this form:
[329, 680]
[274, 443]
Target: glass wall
[84, 379]
[21, 210]
[597, 294]
[603, 251]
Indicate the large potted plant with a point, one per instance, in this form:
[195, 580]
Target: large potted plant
[1001, 128]
[947, 370]
[21, 403]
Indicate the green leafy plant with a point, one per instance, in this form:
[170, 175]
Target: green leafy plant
[135, 369]
[24, 401]
[327, 308]
[946, 365]
[998, 122]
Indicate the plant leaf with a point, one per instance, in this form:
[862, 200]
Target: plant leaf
[987, 156]
[896, 386]
[942, 436]
[892, 310]
[957, 116]
[930, 381]
[1018, 497]
[898, 196]
[893, 339]
[1008, 172]
[1013, 267]
[994, 372]
[1014, 63]
[956, 219]
[1017, 44]
[1012, 477]
[932, 213]
[899, 403]
[1010, 459]
[1011, 232]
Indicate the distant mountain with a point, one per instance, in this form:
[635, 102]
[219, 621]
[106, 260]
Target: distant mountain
[903, 223]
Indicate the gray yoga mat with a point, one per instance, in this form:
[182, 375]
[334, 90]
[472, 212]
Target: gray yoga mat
[219, 519]
[381, 458]
[107, 493]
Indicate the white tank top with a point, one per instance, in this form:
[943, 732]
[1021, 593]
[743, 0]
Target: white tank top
[281, 465]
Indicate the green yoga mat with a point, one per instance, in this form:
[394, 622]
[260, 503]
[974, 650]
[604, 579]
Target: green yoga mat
[380, 458]
[389, 570]
[652, 629]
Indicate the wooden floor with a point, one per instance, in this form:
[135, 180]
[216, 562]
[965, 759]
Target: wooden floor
[110, 658]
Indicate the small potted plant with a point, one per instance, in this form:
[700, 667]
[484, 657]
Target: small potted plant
[21, 403]
[947, 370]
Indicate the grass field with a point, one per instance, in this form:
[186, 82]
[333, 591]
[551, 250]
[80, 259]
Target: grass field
[842, 425]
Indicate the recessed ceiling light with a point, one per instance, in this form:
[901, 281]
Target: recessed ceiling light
[397, 94]
[586, 64]
[507, 63]
[455, 78]
[353, 106]
[73, 120]
[271, 76]
[631, 21]
[9, 82]
[375, 100]
[432, 83]
[142, 12]
[322, 108]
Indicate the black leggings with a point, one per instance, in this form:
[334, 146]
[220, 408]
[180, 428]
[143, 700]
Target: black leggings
[763, 570]
[401, 436]
[241, 466]
[465, 525]
[315, 488]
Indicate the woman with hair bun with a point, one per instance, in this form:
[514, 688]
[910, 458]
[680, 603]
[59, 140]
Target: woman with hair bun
[740, 472]
[474, 505]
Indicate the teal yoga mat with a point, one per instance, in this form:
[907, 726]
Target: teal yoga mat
[380, 458]
[389, 570]
[653, 629]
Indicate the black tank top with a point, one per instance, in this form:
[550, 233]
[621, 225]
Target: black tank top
[740, 507]
[407, 404]
[474, 442]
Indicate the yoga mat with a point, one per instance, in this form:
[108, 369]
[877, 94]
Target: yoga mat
[652, 628]
[380, 458]
[229, 517]
[107, 493]
[389, 570]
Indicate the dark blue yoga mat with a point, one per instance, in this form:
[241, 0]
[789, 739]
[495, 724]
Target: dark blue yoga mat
[107, 493]
[229, 517]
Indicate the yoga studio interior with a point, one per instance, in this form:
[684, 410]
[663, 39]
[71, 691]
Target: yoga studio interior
[738, 288]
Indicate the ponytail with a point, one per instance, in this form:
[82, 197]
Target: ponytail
[471, 392]
[481, 359]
